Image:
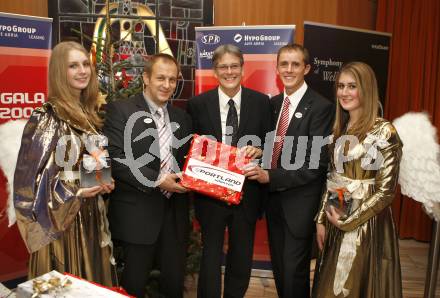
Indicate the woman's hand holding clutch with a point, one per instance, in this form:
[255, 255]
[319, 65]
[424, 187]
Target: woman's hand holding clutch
[333, 216]
[90, 192]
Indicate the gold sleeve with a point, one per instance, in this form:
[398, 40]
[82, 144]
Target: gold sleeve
[385, 182]
[321, 216]
[45, 205]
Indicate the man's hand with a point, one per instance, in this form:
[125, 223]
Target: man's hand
[256, 173]
[169, 183]
[320, 235]
[252, 152]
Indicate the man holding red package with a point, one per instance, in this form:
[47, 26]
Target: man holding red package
[294, 189]
[148, 210]
[228, 113]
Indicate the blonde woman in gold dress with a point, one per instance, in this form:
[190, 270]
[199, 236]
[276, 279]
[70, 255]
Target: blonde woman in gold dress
[63, 225]
[355, 230]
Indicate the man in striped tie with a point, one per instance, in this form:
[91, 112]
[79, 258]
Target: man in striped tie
[148, 210]
[295, 180]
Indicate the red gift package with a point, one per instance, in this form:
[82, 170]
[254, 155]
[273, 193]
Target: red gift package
[214, 169]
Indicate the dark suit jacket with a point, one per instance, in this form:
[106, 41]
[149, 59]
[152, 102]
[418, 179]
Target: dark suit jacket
[300, 190]
[136, 210]
[254, 120]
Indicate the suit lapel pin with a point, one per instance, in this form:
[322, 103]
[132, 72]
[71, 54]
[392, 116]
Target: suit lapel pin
[148, 120]
[298, 115]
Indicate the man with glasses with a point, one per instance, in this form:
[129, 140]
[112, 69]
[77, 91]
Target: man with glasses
[294, 194]
[228, 113]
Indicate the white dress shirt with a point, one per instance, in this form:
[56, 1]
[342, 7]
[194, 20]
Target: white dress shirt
[224, 108]
[294, 99]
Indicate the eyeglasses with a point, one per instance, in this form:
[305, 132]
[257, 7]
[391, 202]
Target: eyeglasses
[225, 67]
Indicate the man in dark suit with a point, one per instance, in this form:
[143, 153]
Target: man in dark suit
[229, 113]
[148, 210]
[297, 172]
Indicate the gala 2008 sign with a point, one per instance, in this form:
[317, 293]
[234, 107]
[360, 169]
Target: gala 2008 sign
[24, 52]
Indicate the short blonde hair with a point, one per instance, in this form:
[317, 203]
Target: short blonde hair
[148, 66]
[222, 50]
[292, 48]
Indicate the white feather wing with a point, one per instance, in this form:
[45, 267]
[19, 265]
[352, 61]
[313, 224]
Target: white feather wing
[10, 136]
[419, 175]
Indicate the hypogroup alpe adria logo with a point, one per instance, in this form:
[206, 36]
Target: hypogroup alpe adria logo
[238, 37]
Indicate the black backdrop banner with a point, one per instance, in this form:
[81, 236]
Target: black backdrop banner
[331, 46]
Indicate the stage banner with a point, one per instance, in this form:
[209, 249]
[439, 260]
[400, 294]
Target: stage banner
[24, 52]
[259, 45]
[330, 46]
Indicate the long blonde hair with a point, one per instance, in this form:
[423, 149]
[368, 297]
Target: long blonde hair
[81, 113]
[369, 100]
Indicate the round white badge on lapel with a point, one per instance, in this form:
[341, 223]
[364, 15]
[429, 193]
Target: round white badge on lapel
[175, 126]
[298, 115]
[148, 120]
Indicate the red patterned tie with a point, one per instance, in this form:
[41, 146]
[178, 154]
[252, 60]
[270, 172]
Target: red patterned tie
[281, 132]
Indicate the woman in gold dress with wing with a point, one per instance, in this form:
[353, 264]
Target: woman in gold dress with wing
[355, 229]
[63, 225]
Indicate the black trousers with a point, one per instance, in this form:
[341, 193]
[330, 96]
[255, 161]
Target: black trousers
[238, 258]
[290, 255]
[167, 253]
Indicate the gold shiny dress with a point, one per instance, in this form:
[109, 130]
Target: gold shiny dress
[361, 259]
[62, 231]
